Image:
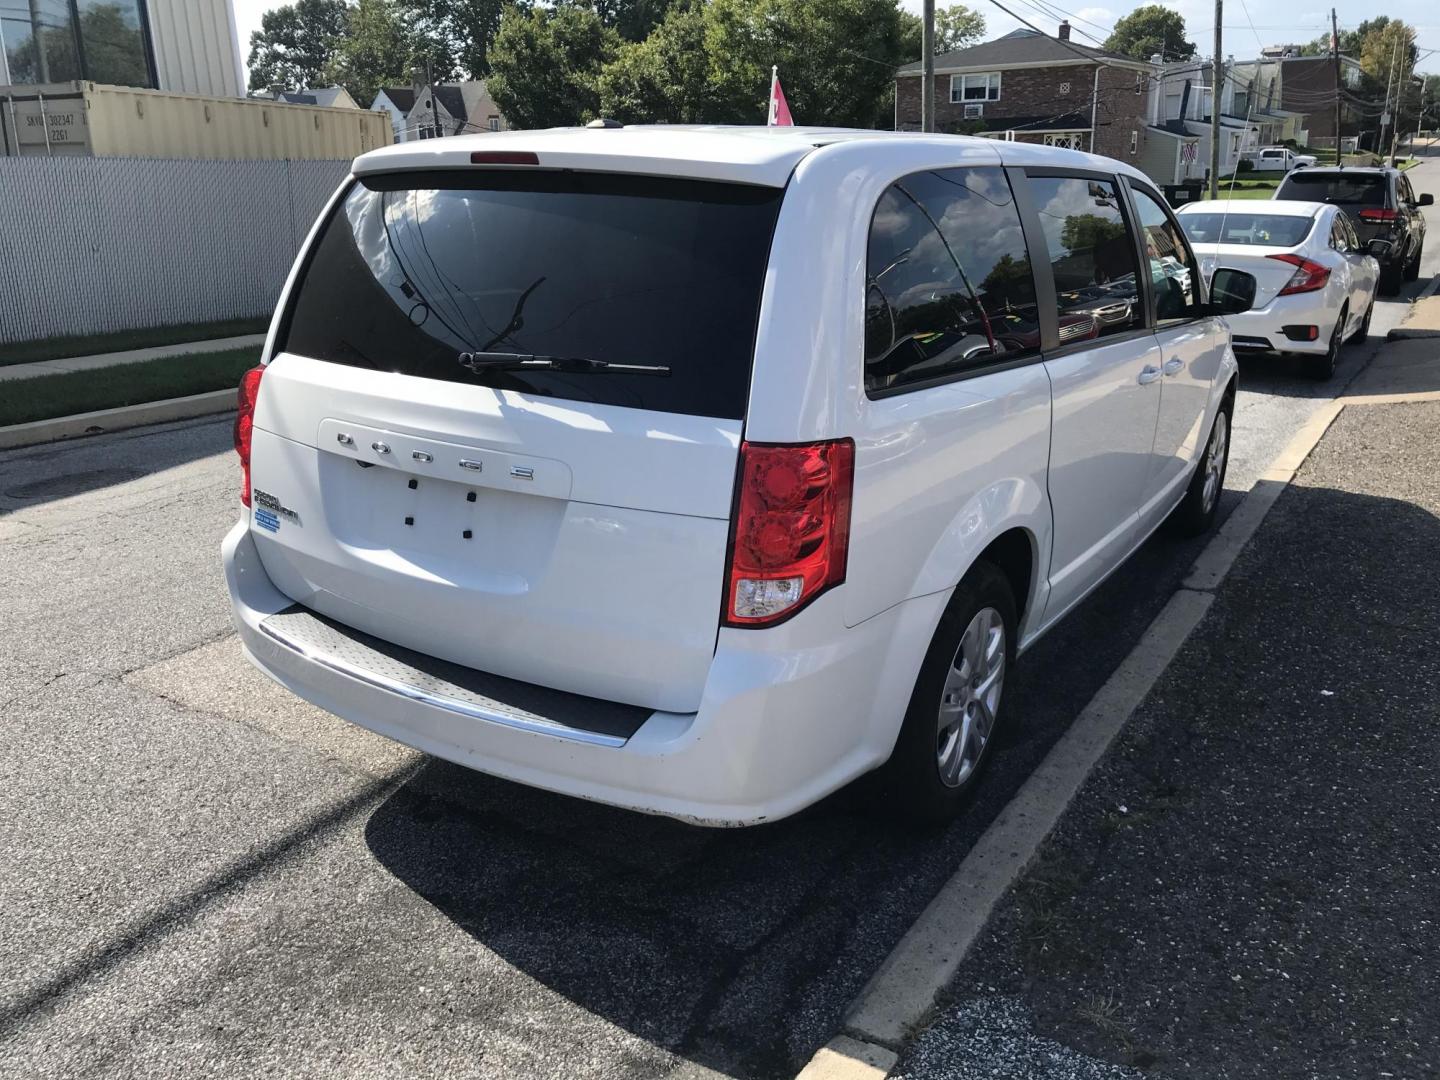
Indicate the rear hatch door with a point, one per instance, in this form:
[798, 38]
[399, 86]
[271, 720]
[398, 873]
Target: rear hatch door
[560, 523]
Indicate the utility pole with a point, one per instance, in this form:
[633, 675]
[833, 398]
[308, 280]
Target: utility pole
[1217, 82]
[927, 67]
[1385, 114]
[434, 113]
[1335, 52]
[1399, 101]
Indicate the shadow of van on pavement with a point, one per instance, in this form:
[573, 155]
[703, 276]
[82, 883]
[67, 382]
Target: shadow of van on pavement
[738, 950]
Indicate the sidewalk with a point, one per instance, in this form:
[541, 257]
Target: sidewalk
[129, 356]
[1248, 886]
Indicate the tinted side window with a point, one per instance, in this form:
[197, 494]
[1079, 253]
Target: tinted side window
[1338, 238]
[1091, 253]
[1172, 265]
[948, 282]
[1350, 234]
[1407, 193]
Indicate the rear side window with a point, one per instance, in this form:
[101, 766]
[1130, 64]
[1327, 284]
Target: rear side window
[413, 269]
[1260, 230]
[1346, 189]
[1092, 254]
[948, 282]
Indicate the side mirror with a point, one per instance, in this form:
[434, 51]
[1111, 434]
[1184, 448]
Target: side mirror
[1426, 199]
[1232, 292]
[1380, 249]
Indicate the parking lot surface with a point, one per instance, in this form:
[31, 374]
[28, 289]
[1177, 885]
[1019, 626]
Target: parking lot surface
[1246, 886]
[207, 877]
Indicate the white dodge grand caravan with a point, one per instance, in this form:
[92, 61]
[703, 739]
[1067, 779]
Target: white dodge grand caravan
[704, 470]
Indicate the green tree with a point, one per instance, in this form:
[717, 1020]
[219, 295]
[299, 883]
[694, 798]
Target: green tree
[836, 58]
[666, 77]
[454, 34]
[376, 50]
[957, 27]
[545, 64]
[633, 20]
[296, 43]
[1149, 30]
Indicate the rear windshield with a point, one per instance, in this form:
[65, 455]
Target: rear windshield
[1350, 189]
[415, 268]
[1266, 230]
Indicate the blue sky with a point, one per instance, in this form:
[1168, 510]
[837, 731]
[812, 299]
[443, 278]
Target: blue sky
[1270, 26]
[1249, 24]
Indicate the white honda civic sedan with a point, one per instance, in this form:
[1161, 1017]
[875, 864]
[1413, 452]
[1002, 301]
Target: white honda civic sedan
[1315, 280]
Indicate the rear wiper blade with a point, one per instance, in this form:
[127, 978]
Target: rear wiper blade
[509, 361]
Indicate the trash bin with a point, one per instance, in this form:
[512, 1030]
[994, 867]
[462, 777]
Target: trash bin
[1180, 194]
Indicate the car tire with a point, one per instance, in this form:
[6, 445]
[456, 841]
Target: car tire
[1412, 268]
[1321, 368]
[1195, 515]
[1392, 278]
[951, 722]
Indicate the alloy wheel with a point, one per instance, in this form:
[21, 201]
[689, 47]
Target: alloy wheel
[970, 698]
[1215, 461]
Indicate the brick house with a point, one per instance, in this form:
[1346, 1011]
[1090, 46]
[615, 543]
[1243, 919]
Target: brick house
[1308, 85]
[1031, 87]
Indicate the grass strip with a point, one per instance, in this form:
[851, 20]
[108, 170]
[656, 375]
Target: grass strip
[48, 396]
[57, 348]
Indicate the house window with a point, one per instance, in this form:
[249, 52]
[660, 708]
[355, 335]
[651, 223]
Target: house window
[1172, 106]
[494, 123]
[65, 40]
[982, 87]
[1064, 88]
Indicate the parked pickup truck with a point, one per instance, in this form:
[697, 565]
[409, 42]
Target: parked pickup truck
[1280, 159]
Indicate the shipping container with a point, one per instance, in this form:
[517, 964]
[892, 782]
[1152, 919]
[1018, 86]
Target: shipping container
[92, 119]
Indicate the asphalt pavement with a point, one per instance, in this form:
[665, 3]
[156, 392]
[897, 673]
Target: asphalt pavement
[207, 877]
[1246, 887]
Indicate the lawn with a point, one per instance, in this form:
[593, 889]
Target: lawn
[48, 396]
[27, 352]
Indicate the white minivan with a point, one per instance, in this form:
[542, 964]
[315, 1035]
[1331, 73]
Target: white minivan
[704, 470]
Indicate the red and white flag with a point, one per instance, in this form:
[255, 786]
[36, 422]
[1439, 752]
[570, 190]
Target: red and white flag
[779, 109]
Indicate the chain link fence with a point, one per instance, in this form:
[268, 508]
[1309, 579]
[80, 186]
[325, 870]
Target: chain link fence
[90, 245]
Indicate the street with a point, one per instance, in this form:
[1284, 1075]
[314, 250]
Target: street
[207, 877]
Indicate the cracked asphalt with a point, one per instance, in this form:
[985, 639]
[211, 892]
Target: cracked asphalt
[206, 877]
[1246, 887]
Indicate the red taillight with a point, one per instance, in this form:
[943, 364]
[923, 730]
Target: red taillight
[504, 157]
[791, 530]
[245, 425]
[1380, 215]
[1308, 275]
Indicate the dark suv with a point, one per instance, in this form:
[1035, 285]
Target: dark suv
[1381, 205]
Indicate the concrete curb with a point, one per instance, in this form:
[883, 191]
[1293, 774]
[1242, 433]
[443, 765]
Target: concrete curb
[128, 416]
[902, 994]
[67, 364]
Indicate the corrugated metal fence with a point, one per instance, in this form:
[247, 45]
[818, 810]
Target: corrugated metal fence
[89, 245]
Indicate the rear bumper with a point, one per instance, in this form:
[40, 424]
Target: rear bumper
[1263, 329]
[788, 714]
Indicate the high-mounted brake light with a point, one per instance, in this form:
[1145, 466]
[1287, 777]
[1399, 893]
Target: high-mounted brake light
[1308, 276]
[1380, 215]
[245, 425]
[504, 157]
[791, 531]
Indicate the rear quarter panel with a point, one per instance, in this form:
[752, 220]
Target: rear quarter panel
[939, 472]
